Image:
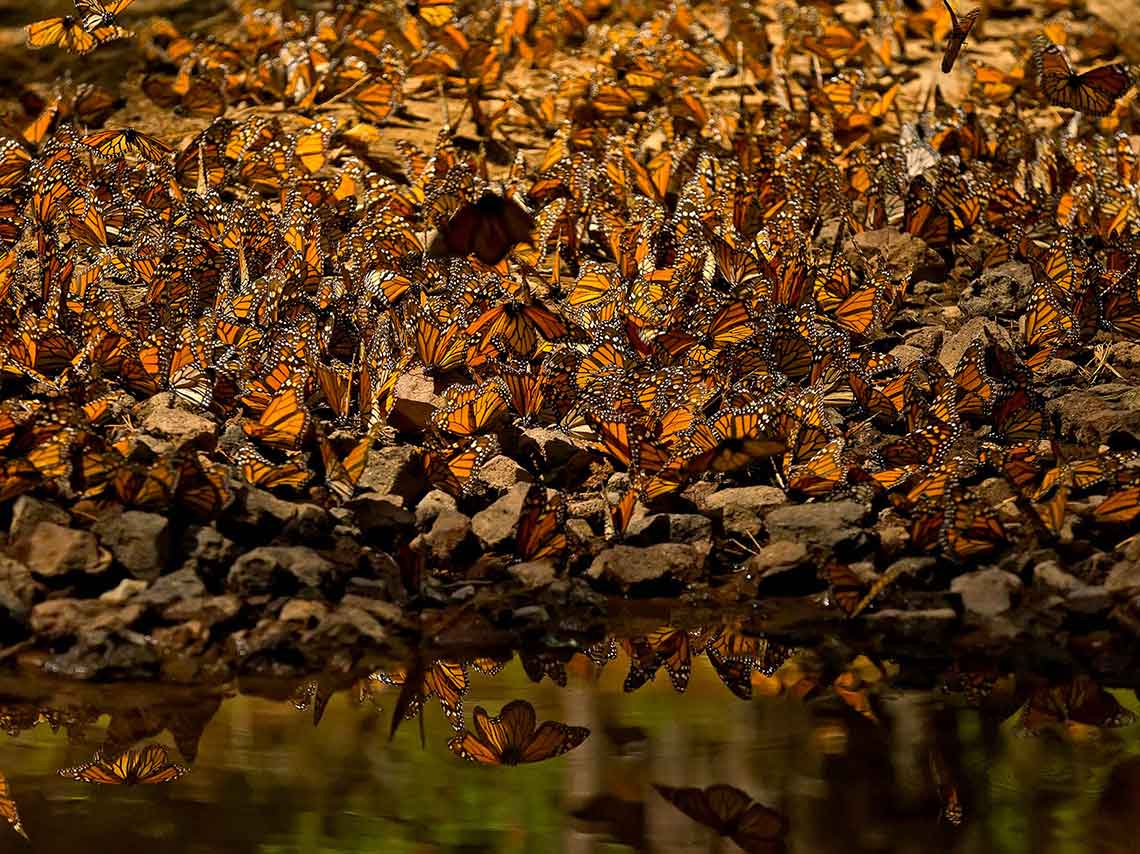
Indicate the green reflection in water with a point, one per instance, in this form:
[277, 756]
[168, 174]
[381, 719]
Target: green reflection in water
[266, 780]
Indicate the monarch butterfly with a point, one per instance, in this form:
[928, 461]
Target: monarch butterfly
[256, 469]
[446, 680]
[1081, 701]
[541, 530]
[123, 141]
[434, 13]
[732, 813]
[516, 324]
[69, 33]
[8, 808]
[149, 766]
[454, 467]
[959, 29]
[514, 737]
[1093, 92]
[282, 424]
[666, 647]
[343, 473]
[486, 229]
[96, 13]
[1122, 507]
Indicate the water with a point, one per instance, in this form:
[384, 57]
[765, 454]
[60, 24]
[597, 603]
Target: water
[862, 764]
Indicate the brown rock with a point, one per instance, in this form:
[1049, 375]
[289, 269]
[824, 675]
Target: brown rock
[450, 537]
[627, 566]
[824, 524]
[414, 400]
[284, 570]
[52, 551]
[1091, 416]
[395, 470]
[987, 592]
[178, 425]
[496, 525]
[59, 619]
[431, 505]
[501, 473]
[27, 512]
[534, 574]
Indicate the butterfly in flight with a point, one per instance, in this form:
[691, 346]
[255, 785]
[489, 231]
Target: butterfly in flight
[95, 13]
[1094, 92]
[70, 33]
[732, 813]
[149, 765]
[513, 739]
[960, 28]
[487, 229]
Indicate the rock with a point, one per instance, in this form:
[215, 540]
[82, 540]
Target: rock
[127, 588]
[1048, 574]
[179, 586]
[107, 656]
[987, 592]
[904, 254]
[647, 529]
[346, 628]
[927, 626]
[209, 553]
[61, 619]
[414, 400]
[998, 292]
[534, 574]
[496, 525]
[394, 470]
[27, 512]
[955, 345]
[139, 542]
[303, 611]
[1125, 354]
[553, 450]
[13, 617]
[501, 473]
[1091, 416]
[54, 552]
[386, 612]
[1056, 371]
[310, 524]
[627, 566]
[1123, 578]
[781, 568]
[928, 339]
[382, 516]
[208, 611]
[265, 511]
[741, 509]
[431, 505]
[17, 579]
[450, 538]
[907, 355]
[178, 425]
[822, 524]
[283, 570]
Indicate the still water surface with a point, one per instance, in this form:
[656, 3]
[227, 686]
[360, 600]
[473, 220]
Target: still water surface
[882, 769]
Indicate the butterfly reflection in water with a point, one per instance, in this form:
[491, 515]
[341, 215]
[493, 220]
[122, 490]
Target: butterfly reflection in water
[732, 813]
[148, 765]
[513, 739]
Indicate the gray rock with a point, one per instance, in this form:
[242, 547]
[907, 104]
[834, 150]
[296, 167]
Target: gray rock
[1123, 578]
[1049, 575]
[310, 524]
[431, 505]
[777, 557]
[54, 552]
[742, 508]
[284, 570]
[987, 592]
[1091, 416]
[394, 470]
[495, 525]
[999, 291]
[139, 542]
[346, 628]
[27, 512]
[17, 579]
[266, 511]
[928, 339]
[552, 448]
[534, 574]
[647, 529]
[107, 655]
[414, 400]
[821, 524]
[208, 611]
[179, 586]
[627, 566]
[902, 253]
[382, 516]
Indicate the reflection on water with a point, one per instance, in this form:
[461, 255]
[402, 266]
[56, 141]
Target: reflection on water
[822, 758]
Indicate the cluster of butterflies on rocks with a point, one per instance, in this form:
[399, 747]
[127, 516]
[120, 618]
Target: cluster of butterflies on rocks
[675, 266]
[128, 754]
